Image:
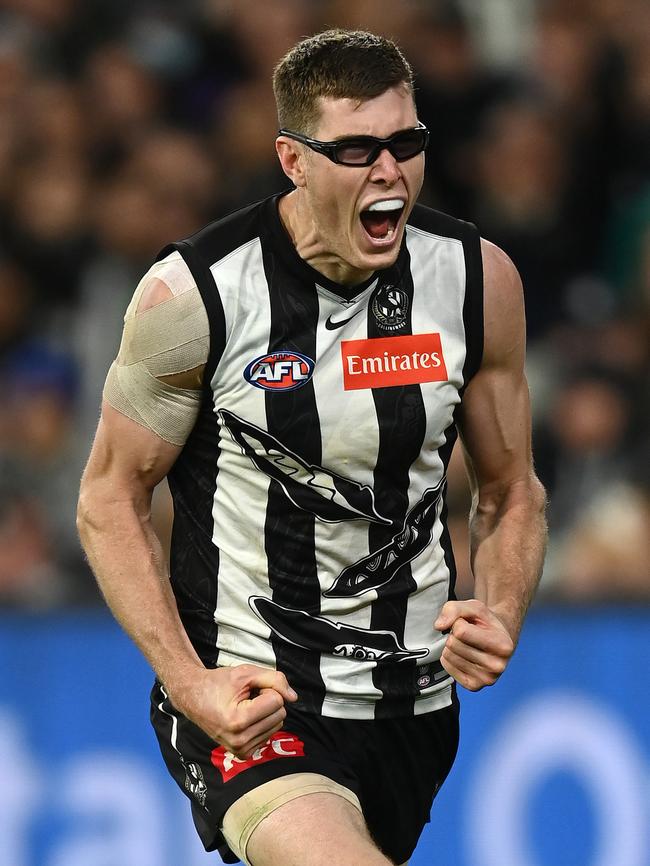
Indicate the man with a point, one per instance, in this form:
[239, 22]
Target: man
[299, 371]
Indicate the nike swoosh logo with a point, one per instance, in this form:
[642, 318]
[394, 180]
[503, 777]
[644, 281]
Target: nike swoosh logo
[332, 326]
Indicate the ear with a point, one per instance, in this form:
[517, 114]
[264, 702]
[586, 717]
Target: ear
[292, 159]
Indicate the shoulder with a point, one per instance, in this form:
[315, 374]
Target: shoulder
[221, 237]
[437, 223]
[167, 278]
[504, 317]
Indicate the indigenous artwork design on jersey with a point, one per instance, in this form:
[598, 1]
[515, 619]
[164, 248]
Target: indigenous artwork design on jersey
[334, 498]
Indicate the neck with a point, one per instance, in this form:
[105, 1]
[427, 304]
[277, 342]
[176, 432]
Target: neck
[298, 221]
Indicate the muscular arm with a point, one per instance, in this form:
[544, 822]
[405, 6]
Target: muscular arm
[507, 524]
[240, 707]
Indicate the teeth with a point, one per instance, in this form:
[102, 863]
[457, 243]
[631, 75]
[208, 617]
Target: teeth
[388, 204]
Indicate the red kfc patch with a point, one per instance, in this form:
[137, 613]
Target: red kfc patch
[281, 745]
[386, 362]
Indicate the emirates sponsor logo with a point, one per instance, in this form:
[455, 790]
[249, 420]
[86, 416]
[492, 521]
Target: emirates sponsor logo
[387, 362]
[280, 745]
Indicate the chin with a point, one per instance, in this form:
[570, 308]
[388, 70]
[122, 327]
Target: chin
[379, 259]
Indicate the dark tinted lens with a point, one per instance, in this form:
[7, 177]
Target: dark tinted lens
[408, 144]
[354, 152]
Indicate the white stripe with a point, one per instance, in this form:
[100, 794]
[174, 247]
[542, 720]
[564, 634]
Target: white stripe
[350, 443]
[174, 736]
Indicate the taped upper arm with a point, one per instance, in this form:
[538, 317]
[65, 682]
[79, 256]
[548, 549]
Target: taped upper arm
[156, 377]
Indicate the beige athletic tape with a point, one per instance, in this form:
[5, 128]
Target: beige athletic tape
[154, 335]
[170, 412]
[247, 813]
[170, 337]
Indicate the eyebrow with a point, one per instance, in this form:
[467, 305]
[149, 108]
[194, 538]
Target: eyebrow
[358, 135]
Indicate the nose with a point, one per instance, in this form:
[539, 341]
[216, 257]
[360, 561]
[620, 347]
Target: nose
[385, 169]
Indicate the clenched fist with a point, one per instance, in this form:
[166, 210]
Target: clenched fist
[478, 645]
[239, 707]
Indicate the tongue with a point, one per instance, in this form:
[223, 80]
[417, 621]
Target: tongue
[376, 223]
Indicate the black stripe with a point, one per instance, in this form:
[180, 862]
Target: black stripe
[194, 558]
[472, 306]
[401, 418]
[444, 452]
[292, 418]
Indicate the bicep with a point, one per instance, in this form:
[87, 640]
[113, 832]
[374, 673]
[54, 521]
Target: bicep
[494, 426]
[126, 461]
[494, 421]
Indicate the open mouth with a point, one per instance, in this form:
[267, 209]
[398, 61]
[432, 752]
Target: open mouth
[381, 219]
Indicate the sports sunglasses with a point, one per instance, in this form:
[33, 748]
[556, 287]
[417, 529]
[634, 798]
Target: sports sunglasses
[362, 150]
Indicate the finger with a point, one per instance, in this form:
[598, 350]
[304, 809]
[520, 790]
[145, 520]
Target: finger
[252, 710]
[452, 610]
[247, 741]
[247, 750]
[481, 637]
[469, 675]
[263, 678]
[462, 671]
[495, 664]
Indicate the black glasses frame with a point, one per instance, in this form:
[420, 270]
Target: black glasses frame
[331, 149]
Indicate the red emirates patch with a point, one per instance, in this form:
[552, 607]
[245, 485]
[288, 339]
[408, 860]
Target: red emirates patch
[280, 745]
[384, 362]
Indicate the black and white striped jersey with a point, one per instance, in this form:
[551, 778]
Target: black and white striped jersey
[309, 515]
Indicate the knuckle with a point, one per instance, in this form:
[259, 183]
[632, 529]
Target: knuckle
[498, 666]
[237, 741]
[460, 628]
[237, 727]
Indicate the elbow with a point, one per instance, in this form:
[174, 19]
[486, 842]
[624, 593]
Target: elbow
[522, 495]
[85, 514]
[538, 497]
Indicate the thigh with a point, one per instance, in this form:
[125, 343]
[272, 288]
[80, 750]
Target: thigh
[314, 830]
[246, 814]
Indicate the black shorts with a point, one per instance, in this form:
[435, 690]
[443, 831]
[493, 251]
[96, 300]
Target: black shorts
[394, 766]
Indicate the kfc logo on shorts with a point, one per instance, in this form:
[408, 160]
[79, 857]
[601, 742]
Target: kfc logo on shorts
[280, 745]
[279, 371]
[387, 362]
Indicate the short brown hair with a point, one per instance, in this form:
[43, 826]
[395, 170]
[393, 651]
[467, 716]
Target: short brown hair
[343, 64]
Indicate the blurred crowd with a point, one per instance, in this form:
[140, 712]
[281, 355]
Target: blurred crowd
[125, 124]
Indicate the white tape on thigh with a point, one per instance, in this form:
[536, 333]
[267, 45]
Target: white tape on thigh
[249, 811]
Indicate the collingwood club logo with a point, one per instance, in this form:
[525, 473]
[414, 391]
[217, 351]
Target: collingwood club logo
[195, 783]
[390, 307]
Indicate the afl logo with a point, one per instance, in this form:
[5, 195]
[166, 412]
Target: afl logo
[279, 371]
[390, 307]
